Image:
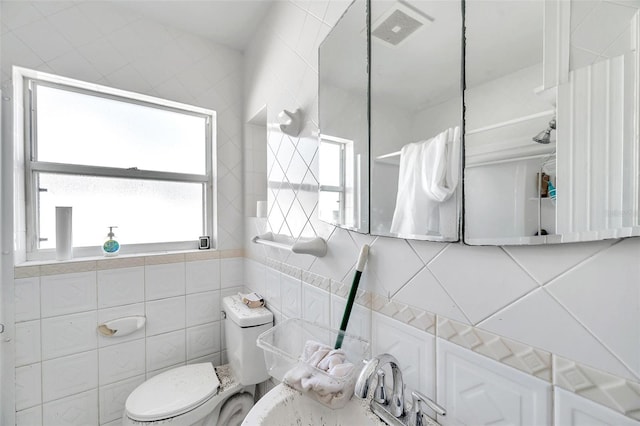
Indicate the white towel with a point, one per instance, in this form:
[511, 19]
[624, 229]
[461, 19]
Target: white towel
[428, 176]
[305, 377]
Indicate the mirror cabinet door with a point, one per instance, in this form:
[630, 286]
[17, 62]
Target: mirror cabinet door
[551, 121]
[344, 123]
[416, 114]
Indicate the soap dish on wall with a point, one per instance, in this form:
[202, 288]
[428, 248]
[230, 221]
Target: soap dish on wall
[122, 326]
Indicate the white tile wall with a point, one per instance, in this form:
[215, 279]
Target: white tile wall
[531, 295]
[61, 357]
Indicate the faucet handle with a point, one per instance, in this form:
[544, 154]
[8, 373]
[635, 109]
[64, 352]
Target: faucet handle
[380, 394]
[415, 418]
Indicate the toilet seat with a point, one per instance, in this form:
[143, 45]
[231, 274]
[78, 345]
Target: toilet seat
[173, 393]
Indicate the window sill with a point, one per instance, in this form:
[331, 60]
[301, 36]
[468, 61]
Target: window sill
[33, 268]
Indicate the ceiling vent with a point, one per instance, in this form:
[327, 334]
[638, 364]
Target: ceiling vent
[398, 23]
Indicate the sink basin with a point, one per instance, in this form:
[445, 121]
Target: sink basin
[285, 406]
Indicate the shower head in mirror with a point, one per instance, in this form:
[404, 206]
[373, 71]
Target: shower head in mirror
[544, 137]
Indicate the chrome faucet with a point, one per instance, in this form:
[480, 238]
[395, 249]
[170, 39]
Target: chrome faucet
[391, 410]
[396, 404]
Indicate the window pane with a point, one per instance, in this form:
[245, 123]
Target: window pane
[144, 211]
[331, 163]
[78, 128]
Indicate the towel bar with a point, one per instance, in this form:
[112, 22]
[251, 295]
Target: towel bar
[314, 246]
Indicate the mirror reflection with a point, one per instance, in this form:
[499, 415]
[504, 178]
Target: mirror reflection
[344, 127]
[551, 141]
[415, 119]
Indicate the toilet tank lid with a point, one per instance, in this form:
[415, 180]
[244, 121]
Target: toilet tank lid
[243, 315]
[173, 392]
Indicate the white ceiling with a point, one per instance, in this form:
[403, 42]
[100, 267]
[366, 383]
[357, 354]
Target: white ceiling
[228, 22]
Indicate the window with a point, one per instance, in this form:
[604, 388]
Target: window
[119, 159]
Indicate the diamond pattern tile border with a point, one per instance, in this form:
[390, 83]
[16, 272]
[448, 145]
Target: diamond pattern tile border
[614, 392]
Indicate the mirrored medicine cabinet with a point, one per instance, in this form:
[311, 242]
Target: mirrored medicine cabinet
[396, 170]
[550, 145]
[551, 140]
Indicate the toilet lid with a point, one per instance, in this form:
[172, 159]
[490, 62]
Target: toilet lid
[173, 392]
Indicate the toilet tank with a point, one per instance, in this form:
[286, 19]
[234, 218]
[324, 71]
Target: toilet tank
[242, 327]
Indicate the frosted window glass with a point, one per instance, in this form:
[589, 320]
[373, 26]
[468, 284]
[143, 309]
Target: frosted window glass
[145, 211]
[77, 128]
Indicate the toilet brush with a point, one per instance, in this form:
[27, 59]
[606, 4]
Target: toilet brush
[362, 260]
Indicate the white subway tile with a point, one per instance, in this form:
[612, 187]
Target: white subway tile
[76, 410]
[69, 334]
[27, 299]
[203, 308]
[123, 361]
[164, 280]
[203, 275]
[164, 350]
[203, 340]
[28, 386]
[120, 286]
[68, 293]
[165, 315]
[27, 342]
[68, 375]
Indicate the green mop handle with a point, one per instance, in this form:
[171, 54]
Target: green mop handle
[362, 260]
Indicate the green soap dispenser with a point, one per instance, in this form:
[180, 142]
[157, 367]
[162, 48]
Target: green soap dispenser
[111, 247]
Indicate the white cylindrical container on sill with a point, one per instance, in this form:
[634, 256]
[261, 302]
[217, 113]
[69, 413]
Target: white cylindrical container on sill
[261, 209]
[64, 240]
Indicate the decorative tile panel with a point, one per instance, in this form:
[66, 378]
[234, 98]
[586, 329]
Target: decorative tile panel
[67, 293]
[121, 361]
[120, 286]
[618, 394]
[69, 334]
[479, 391]
[523, 357]
[113, 398]
[573, 410]
[27, 299]
[27, 343]
[420, 319]
[203, 340]
[28, 386]
[69, 375]
[165, 315]
[414, 350]
[76, 410]
[164, 350]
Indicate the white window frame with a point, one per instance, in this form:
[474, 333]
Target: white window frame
[25, 117]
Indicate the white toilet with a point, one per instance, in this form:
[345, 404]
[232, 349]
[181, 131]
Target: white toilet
[199, 394]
